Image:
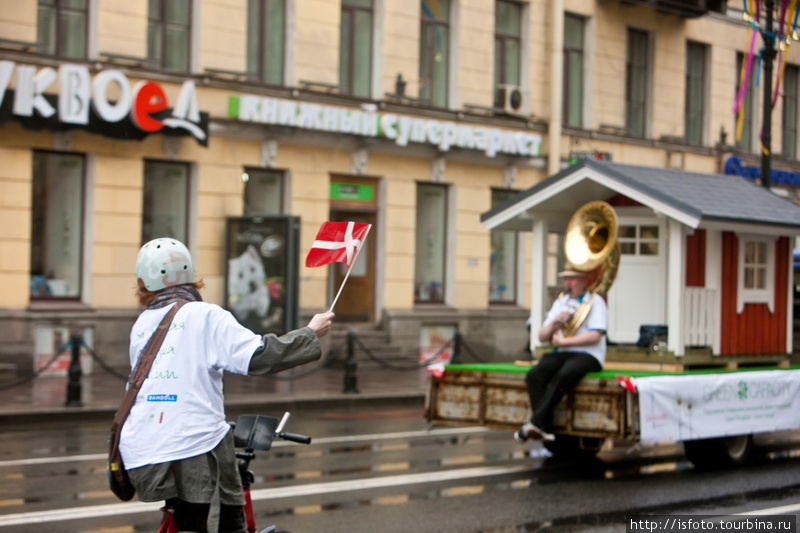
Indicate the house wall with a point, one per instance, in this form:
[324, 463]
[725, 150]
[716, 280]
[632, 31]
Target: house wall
[755, 330]
[696, 259]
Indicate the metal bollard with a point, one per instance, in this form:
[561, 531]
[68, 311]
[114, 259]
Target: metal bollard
[75, 373]
[456, 359]
[351, 365]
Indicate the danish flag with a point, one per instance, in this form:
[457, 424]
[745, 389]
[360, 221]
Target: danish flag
[337, 242]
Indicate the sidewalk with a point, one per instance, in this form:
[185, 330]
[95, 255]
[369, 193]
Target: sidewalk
[101, 392]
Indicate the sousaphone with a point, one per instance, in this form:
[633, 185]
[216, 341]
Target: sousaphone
[590, 245]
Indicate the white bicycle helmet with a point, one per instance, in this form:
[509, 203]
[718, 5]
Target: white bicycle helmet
[164, 262]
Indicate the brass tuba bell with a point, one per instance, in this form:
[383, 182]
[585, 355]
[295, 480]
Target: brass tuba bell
[590, 242]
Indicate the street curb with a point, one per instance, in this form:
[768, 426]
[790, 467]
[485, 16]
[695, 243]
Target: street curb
[259, 404]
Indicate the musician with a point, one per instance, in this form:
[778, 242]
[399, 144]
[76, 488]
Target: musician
[572, 357]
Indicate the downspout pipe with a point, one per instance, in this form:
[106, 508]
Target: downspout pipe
[556, 86]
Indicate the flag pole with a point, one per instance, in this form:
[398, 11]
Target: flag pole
[347, 275]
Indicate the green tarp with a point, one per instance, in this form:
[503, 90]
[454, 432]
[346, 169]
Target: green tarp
[607, 374]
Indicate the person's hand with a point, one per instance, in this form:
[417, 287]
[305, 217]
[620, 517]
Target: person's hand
[559, 338]
[563, 317]
[321, 323]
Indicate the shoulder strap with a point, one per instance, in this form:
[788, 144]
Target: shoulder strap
[139, 374]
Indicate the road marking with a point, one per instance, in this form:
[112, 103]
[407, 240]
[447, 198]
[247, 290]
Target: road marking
[312, 489]
[783, 509]
[344, 439]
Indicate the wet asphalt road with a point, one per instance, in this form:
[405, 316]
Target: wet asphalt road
[386, 471]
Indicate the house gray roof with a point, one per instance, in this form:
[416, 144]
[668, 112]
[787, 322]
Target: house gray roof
[699, 196]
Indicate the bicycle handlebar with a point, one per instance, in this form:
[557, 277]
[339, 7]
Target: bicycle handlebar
[295, 437]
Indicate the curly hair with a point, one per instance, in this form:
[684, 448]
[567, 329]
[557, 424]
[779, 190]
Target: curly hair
[145, 297]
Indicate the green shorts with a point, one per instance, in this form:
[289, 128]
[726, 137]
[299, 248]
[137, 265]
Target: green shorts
[193, 479]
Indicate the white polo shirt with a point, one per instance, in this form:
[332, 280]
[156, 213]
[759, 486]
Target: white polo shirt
[597, 320]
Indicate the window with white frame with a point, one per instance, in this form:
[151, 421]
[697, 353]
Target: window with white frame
[638, 239]
[637, 89]
[169, 28]
[503, 258]
[743, 126]
[430, 254]
[263, 191]
[756, 282]
[355, 48]
[165, 211]
[57, 225]
[434, 52]
[791, 85]
[507, 48]
[574, 30]
[695, 101]
[266, 28]
[62, 28]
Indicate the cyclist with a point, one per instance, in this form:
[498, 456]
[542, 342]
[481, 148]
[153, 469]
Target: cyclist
[176, 443]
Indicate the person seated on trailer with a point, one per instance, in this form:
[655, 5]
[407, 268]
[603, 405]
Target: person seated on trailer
[572, 357]
[176, 443]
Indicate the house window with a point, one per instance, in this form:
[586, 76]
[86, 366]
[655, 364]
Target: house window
[263, 191]
[503, 258]
[355, 49]
[429, 272]
[57, 225]
[790, 109]
[636, 239]
[573, 70]
[266, 27]
[637, 82]
[62, 28]
[756, 282]
[166, 198]
[507, 48]
[695, 101]
[744, 119]
[168, 33]
[434, 52]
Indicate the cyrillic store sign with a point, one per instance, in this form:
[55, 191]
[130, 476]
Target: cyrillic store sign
[138, 111]
[734, 166]
[400, 129]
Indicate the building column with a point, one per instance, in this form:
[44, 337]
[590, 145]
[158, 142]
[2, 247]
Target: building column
[676, 282]
[538, 278]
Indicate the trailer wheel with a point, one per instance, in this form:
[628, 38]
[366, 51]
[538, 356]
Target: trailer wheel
[572, 447]
[719, 453]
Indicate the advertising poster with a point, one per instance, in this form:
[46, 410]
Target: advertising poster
[261, 272]
[50, 340]
[436, 343]
[677, 408]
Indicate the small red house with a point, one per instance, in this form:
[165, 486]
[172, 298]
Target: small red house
[707, 255]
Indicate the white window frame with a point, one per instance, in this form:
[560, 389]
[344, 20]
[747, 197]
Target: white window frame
[756, 296]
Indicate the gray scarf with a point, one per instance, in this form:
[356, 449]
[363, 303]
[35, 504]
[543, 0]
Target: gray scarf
[173, 294]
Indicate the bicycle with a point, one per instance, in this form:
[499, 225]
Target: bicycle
[250, 432]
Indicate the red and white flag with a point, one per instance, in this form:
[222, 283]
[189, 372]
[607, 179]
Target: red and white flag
[337, 242]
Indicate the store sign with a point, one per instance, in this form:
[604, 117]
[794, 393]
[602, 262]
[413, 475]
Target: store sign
[135, 111]
[353, 191]
[734, 167]
[369, 123]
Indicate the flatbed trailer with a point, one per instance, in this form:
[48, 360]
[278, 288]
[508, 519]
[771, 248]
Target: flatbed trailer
[606, 405]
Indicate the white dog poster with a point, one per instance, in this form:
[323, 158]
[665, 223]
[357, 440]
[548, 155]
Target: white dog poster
[257, 264]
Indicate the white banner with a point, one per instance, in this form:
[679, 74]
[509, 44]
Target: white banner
[677, 408]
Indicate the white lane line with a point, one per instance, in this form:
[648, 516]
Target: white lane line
[443, 432]
[783, 509]
[113, 509]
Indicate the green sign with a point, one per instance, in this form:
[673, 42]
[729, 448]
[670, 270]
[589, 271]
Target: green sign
[353, 191]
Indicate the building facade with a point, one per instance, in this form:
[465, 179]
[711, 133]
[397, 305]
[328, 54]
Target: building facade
[125, 121]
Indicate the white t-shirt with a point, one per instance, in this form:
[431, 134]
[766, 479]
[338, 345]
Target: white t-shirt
[179, 410]
[597, 320]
